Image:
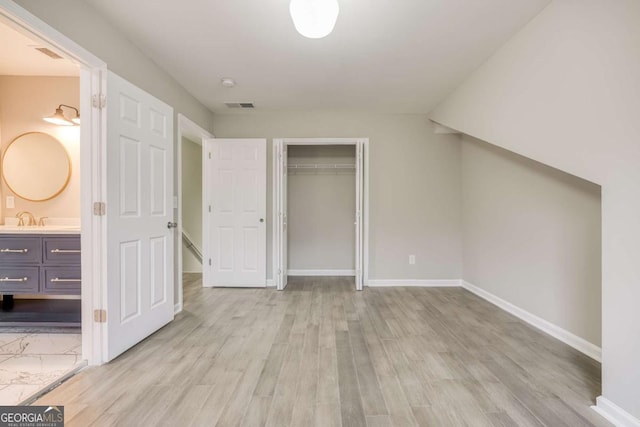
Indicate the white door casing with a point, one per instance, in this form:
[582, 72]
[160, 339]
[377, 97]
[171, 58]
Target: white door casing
[139, 209]
[236, 194]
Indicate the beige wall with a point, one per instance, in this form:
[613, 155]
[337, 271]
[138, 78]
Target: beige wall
[192, 202]
[321, 210]
[532, 237]
[414, 179]
[24, 101]
[564, 91]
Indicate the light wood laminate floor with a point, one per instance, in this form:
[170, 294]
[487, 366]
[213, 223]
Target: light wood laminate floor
[321, 354]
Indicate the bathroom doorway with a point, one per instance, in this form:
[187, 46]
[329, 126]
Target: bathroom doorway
[40, 217]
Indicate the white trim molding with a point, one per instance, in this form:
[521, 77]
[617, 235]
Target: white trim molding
[447, 283]
[321, 272]
[271, 283]
[177, 308]
[555, 331]
[614, 414]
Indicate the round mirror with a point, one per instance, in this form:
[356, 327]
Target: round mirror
[36, 166]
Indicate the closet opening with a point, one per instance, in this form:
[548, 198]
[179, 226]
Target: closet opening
[320, 204]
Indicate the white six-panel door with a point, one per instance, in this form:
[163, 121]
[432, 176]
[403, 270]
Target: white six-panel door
[235, 212]
[139, 208]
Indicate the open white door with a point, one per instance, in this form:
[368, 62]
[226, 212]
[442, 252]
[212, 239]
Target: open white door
[283, 212]
[280, 235]
[235, 188]
[139, 215]
[359, 214]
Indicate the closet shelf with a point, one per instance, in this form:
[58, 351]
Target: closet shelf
[321, 166]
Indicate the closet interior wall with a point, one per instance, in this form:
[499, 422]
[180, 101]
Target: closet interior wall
[321, 209]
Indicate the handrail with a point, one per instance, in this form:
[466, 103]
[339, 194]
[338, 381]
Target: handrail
[192, 247]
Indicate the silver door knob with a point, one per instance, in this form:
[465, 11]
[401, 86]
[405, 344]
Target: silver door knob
[172, 224]
[261, 219]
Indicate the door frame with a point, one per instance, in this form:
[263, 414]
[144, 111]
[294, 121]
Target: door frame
[275, 190]
[189, 129]
[92, 168]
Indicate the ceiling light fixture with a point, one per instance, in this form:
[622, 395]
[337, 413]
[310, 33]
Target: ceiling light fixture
[227, 82]
[58, 118]
[314, 18]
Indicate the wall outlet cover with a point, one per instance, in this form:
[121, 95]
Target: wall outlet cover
[11, 202]
[412, 259]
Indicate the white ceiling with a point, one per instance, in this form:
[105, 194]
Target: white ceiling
[400, 56]
[18, 57]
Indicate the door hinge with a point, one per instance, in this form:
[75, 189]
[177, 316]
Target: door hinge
[209, 208]
[209, 155]
[100, 316]
[99, 101]
[209, 261]
[99, 208]
[279, 271]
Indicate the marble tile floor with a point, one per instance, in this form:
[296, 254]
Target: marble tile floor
[30, 362]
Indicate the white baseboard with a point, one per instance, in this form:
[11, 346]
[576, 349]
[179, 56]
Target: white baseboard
[555, 331]
[321, 272]
[614, 414]
[375, 283]
[270, 283]
[177, 308]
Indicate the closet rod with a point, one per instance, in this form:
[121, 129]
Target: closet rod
[321, 166]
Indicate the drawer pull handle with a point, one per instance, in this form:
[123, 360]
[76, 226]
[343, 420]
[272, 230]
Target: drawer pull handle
[57, 280]
[14, 251]
[7, 279]
[65, 251]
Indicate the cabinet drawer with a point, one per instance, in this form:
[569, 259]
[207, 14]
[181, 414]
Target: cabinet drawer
[19, 280]
[61, 250]
[19, 250]
[61, 280]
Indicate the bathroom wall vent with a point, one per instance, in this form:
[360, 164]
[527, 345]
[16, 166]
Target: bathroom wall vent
[48, 52]
[239, 105]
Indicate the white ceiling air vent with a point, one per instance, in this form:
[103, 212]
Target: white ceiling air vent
[48, 52]
[239, 104]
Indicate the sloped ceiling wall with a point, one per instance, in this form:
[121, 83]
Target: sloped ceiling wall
[565, 91]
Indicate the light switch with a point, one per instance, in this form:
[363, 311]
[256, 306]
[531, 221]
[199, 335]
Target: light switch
[11, 202]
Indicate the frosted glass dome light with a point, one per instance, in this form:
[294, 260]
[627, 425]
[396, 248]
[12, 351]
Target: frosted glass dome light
[314, 18]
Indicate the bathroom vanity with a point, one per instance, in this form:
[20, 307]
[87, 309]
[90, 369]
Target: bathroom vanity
[40, 261]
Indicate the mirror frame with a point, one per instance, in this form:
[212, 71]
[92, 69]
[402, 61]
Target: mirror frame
[66, 182]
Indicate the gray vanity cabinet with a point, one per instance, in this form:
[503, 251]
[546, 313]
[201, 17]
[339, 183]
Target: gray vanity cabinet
[40, 264]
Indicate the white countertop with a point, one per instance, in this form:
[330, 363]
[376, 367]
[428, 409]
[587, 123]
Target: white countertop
[34, 229]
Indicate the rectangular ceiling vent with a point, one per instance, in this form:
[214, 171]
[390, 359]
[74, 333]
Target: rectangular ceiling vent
[239, 104]
[48, 52]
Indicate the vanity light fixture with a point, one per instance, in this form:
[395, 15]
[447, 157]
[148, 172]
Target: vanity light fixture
[58, 118]
[314, 19]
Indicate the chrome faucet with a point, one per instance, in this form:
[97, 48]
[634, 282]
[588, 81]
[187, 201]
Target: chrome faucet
[30, 217]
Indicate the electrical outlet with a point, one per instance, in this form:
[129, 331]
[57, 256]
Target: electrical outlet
[412, 259]
[11, 202]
